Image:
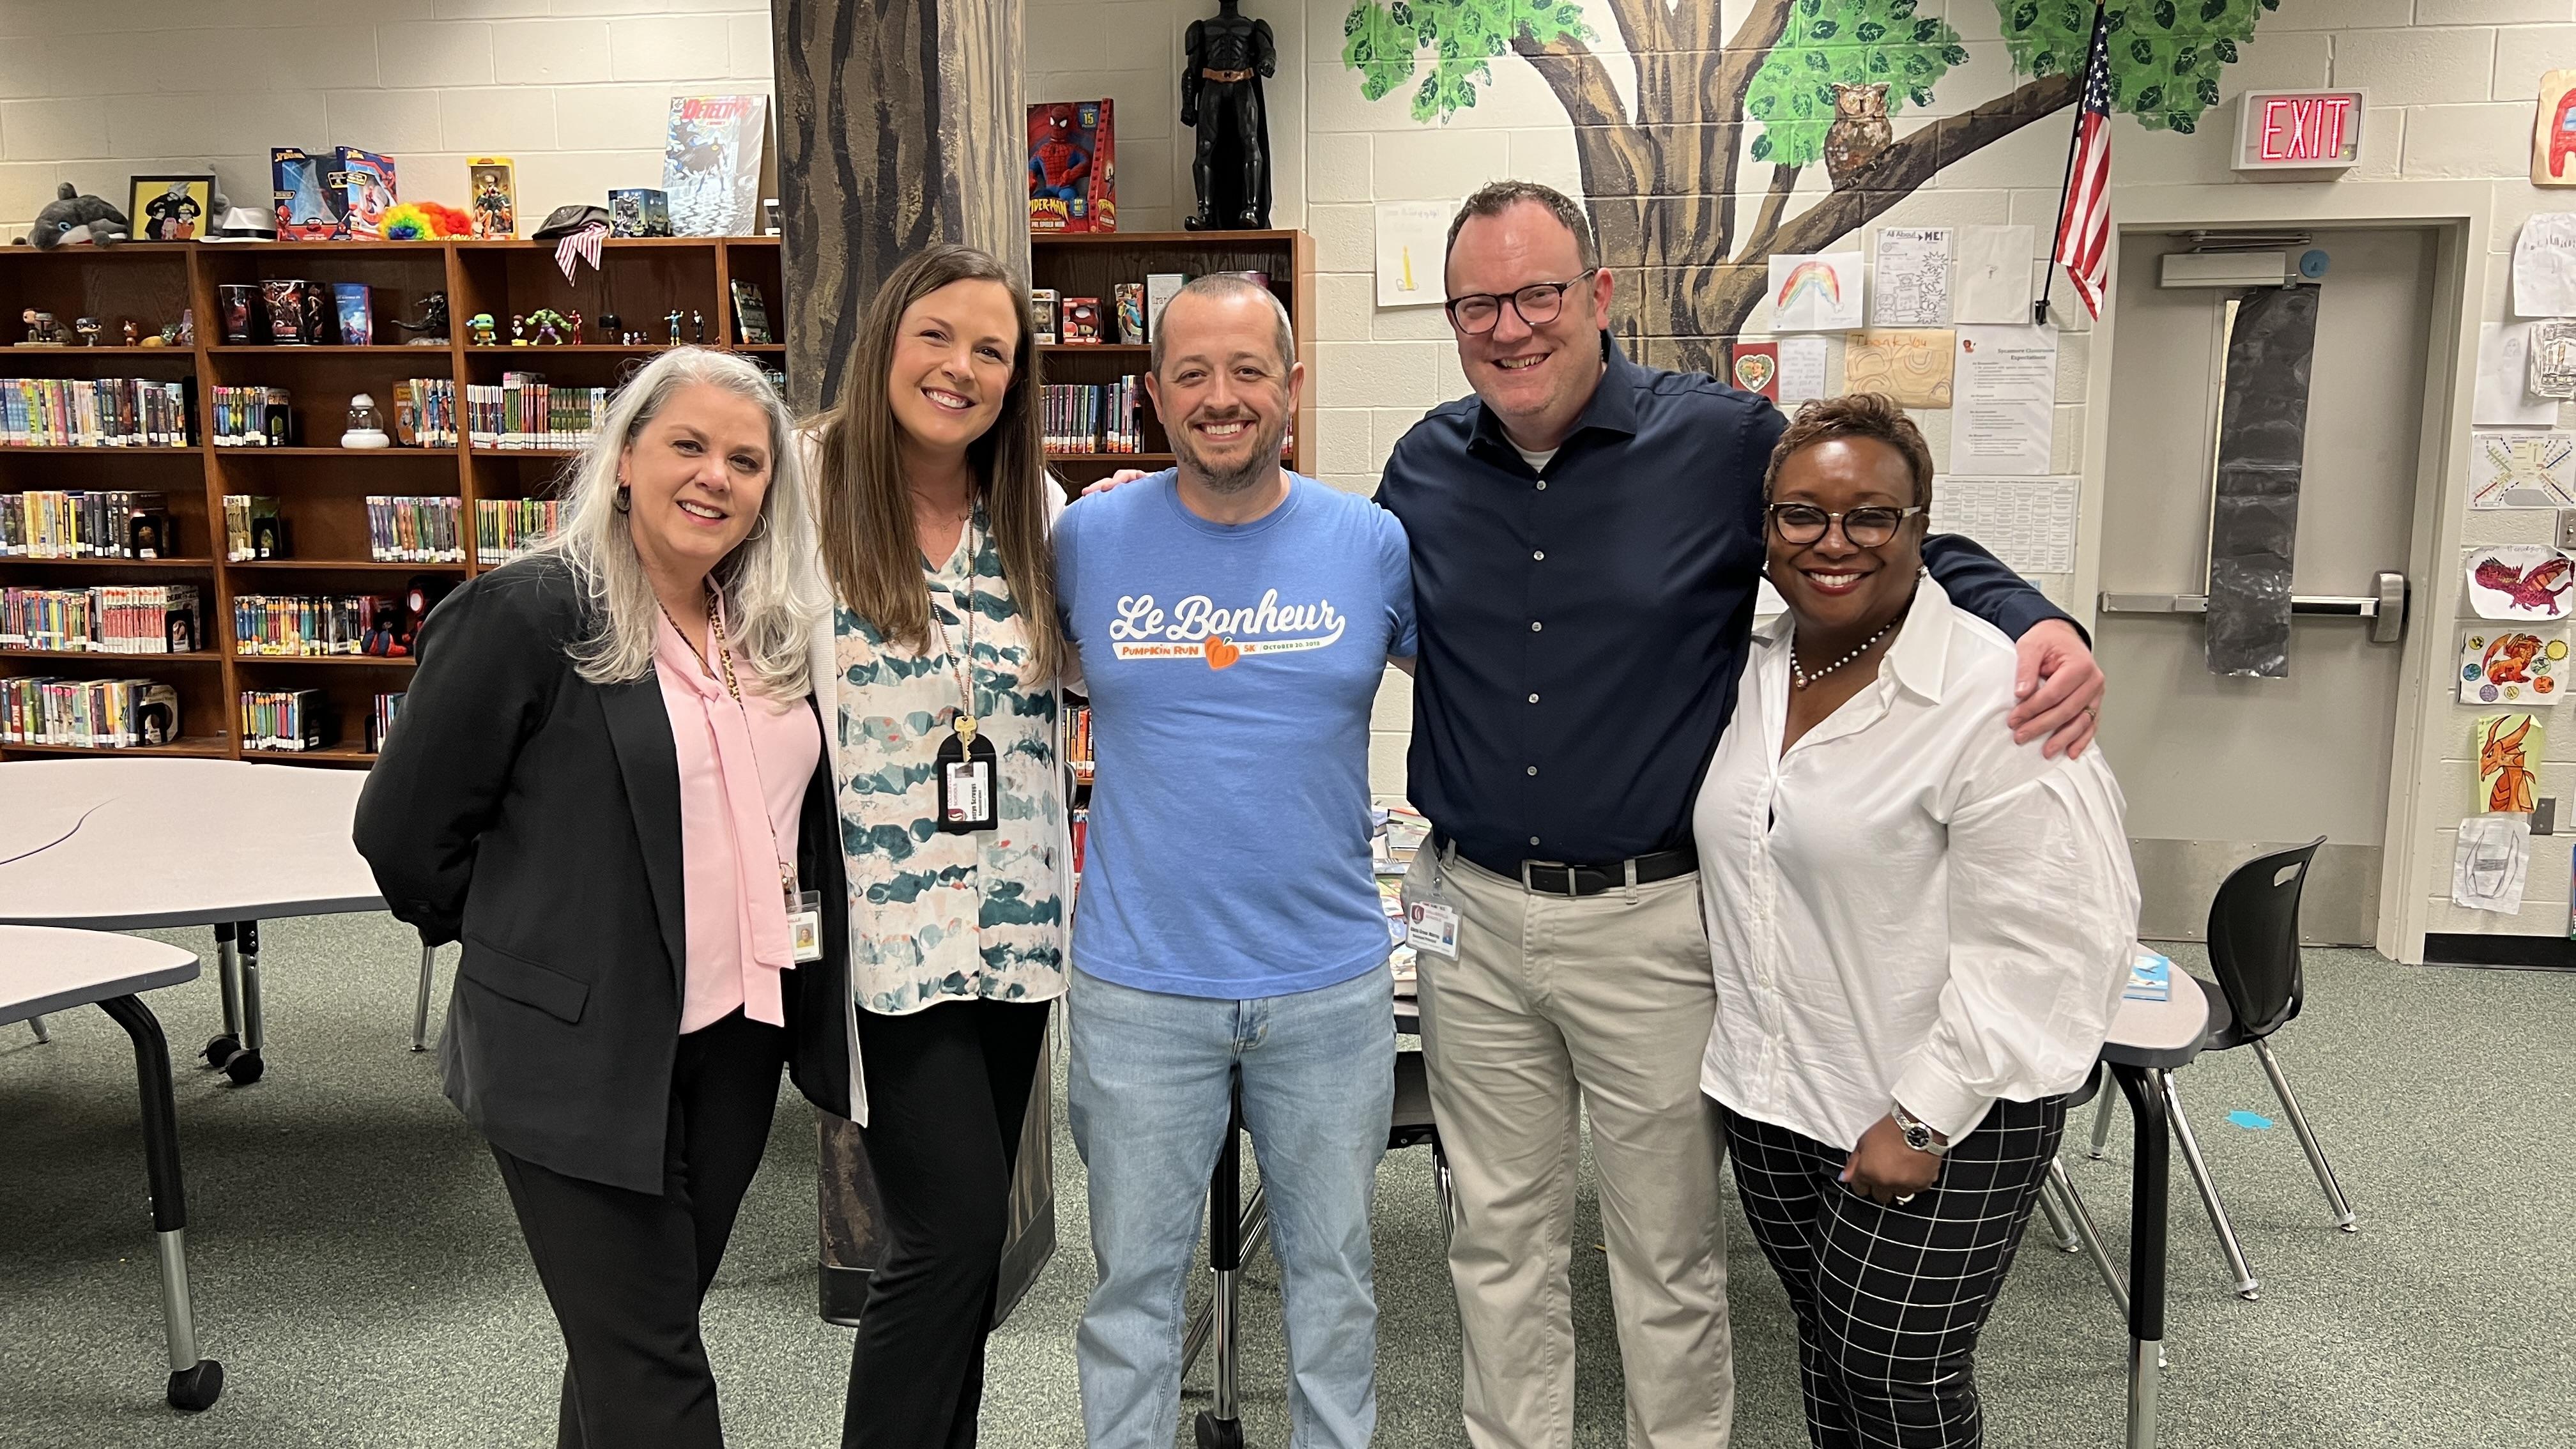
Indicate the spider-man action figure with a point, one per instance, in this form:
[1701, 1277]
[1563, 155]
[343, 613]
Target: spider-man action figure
[1058, 166]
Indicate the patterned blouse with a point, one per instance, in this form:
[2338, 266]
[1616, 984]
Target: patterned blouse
[938, 917]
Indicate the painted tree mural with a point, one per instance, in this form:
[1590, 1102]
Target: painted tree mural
[1795, 86]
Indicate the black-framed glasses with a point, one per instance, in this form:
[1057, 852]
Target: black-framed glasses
[1864, 527]
[1538, 303]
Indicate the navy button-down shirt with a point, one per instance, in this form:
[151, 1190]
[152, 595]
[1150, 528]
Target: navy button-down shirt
[1583, 627]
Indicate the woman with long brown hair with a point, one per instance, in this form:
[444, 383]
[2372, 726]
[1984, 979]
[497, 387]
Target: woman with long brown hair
[937, 673]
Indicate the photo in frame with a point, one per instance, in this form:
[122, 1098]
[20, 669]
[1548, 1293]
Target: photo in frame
[171, 208]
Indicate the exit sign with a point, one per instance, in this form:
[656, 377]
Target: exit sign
[2299, 130]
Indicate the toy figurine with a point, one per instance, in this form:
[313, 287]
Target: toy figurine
[1225, 58]
[672, 320]
[188, 324]
[88, 328]
[550, 327]
[572, 327]
[42, 329]
[133, 334]
[518, 330]
[612, 328]
[480, 331]
[698, 327]
[431, 329]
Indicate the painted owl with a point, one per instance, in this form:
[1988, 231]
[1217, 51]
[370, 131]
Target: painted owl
[1860, 131]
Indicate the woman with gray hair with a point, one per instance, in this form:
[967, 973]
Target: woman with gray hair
[609, 784]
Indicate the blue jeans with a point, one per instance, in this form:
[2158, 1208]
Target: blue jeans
[1148, 1100]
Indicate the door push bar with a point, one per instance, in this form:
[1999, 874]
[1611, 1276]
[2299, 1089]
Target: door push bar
[2385, 609]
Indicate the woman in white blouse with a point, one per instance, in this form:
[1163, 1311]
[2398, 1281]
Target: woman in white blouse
[1919, 930]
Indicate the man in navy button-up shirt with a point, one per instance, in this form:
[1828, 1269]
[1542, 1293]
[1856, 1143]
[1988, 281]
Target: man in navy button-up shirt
[1587, 539]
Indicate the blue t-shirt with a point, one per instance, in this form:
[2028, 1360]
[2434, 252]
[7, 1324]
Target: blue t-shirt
[1231, 668]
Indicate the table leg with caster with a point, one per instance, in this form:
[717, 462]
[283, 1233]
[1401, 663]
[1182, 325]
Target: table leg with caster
[236, 1052]
[36, 1024]
[194, 1382]
[2146, 1250]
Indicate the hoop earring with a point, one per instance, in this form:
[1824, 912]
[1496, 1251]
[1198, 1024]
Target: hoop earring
[625, 500]
[760, 530]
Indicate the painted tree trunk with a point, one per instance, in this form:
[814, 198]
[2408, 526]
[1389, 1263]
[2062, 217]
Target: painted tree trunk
[902, 123]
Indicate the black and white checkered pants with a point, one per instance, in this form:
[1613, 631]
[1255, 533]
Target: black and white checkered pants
[1890, 1298]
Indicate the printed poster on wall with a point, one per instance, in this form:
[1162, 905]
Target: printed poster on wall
[2509, 749]
[1910, 367]
[1755, 367]
[2522, 581]
[2003, 393]
[1910, 286]
[2512, 665]
[2522, 470]
[1816, 292]
[2029, 523]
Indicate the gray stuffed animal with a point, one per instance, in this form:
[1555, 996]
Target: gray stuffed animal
[72, 219]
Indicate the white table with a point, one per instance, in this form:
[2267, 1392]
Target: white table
[45, 969]
[135, 844]
[2146, 1037]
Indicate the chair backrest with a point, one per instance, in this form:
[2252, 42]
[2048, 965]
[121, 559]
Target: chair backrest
[2254, 938]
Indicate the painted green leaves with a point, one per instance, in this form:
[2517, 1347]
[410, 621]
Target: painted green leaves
[2166, 55]
[1451, 44]
[1847, 42]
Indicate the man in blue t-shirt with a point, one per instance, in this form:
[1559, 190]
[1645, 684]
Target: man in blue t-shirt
[1233, 620]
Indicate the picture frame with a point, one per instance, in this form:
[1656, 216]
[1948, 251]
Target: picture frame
[171, 208]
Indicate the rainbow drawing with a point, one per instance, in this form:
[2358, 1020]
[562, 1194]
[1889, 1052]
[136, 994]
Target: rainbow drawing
[1814, 274]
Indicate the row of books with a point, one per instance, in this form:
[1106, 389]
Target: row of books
[425, 412]
[100, 412]
[97, 714]
[415, 529]
[252, 528]
[504, 526]
[42, 523]
[253, 417]
[1093, 417]
[285, 719]
[526, 411]
[102, 619]
[300, 625]
[380, 719]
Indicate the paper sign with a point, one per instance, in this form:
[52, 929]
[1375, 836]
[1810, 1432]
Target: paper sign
[2492, 863]
[2553, 360]
[1412, 241]
[1911, 284]
[2510, 665]
[2522, 470]
[1910, 368]
[1816, 293]
[2544, 266]
[2004, 392]
[2504, 375]
[1993, 273]
[2029, 523]
[2553, 131]
[1802, 369]
[2509, 749]
[1755, 367]
[2520, 581]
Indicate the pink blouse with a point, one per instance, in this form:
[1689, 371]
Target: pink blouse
[737, 762]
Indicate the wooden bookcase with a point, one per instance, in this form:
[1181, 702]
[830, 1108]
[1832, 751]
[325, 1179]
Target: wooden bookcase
[321, 487]
[1090, 264]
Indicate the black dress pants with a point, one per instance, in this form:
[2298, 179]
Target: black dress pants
[1890, 1298]
[948, 1087]
[625, 1270]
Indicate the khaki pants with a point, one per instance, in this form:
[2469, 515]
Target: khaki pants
[1609, 996]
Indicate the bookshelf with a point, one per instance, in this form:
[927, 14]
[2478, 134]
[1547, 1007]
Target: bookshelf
[321, 488]
[1090, 264]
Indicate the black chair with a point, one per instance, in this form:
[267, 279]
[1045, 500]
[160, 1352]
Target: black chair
[2254, 953]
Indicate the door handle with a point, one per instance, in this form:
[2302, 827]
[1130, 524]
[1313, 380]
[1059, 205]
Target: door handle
[2384, 607]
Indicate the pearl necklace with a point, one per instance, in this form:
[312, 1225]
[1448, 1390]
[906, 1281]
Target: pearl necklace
[1802, 678]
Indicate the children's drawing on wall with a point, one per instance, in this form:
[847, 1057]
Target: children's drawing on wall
[2520, 581]
[2509, 751]
[2513, 666]
[1838, 86]
[2522, 470]
[1818, 293]
[1910, 367]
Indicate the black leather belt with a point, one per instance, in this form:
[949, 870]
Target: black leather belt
[1559, 878]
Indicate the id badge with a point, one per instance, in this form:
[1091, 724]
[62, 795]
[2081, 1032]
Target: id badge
[1432, 926]
[969, 786]
[805, 926]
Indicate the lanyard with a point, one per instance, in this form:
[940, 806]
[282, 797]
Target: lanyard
[962, 668]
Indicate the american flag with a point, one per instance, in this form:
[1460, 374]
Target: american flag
[2084, 213]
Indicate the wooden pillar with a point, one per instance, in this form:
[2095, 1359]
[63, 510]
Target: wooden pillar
[901, 123]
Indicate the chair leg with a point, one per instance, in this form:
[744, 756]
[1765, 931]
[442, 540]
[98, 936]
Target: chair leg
[2101, 1125]
[2058, 1232]
[36, 1024]
[2091, 1237]
[2246, 1286]
[2299, 1123]
[420, 1004]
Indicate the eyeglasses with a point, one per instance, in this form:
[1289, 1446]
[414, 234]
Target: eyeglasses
[1538, 303]
[1864, 527]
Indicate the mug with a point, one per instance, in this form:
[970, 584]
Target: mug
[243, 314]
[289, 311]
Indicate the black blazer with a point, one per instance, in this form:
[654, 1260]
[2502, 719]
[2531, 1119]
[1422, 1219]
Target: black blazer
[536, 817]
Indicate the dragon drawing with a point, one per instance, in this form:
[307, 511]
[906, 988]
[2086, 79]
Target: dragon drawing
[2500, 755]
[2508, 659]
[2542, 590]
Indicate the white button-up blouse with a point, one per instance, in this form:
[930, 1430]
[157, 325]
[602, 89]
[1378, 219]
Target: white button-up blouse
[1906, 906]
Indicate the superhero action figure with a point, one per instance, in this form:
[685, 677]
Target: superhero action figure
[1058, 166]
[1226, 57]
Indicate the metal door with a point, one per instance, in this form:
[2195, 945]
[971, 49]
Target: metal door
[2219, 769]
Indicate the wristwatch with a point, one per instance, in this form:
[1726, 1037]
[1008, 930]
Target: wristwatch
[1917, 1135]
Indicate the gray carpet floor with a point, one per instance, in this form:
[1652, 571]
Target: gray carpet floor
[358, 1273]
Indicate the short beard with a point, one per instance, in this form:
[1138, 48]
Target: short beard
[1264, 464]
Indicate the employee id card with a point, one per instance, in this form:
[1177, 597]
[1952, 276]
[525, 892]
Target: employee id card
[969, 794]
[1432, 926]
[805, 926]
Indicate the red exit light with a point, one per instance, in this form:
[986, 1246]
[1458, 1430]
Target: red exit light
[2299, 129]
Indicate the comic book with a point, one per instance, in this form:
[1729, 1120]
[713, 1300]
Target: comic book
[711, 164]
[1073, 167]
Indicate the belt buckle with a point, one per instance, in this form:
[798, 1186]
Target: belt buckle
[1532, 887]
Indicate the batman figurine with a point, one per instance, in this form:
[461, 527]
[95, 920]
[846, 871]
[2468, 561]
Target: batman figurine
[1227, 57]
